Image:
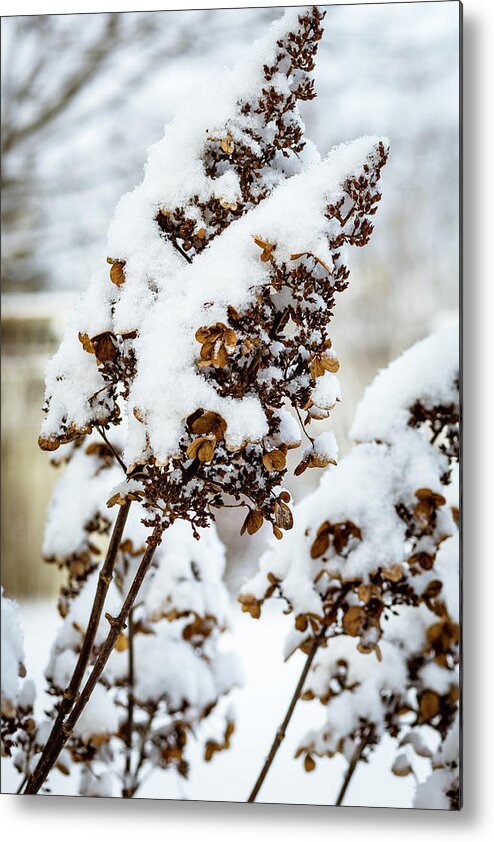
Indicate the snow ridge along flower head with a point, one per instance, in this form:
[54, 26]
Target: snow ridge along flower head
[224, 268]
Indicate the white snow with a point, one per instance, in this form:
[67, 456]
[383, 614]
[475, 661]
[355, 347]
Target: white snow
[12, 655]
[427, 370]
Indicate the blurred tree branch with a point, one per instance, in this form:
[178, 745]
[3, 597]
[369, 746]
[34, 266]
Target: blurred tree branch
[89, 62]
[61, 73]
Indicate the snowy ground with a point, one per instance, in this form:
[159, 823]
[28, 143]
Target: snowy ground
[260, 706]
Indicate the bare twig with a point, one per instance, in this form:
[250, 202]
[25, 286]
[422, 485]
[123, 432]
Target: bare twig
[357, 754]
[280, 734]
[68, 699]
[136, 783]
[117, 624]
[130, 709]
[109, 444]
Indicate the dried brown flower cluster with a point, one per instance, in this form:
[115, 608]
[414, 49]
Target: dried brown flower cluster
[277, 354]
[213, 321]
[252, 145]
[245, 147]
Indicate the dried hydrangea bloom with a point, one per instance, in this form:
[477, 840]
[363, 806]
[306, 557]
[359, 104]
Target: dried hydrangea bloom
[373, 562]
[178, 678]
[235, 139]
[368, 537]
[410, 694]
[208, 346]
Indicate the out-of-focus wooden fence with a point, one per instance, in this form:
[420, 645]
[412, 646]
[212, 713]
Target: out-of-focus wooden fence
[31, 326]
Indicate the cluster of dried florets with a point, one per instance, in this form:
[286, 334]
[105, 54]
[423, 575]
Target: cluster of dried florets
[224, 152]
[207, 346]
[373, 560]
[165, 679]
[255, 143]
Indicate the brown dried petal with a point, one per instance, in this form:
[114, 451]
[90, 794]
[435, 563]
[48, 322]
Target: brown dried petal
[86, 343]
[423, 559]
[203, 334]
[227, 144]
[220, 359]
[48, 443]
[282, 515]
[252, 522]
[122, 642]
[330, 364]
[201, 448]
[320, 545]
[267, 248]
[429, 705]
[250, 605]
[104, 347]
[117, 274]
[393, 573]
[435, 499]
[210, 423]
[309, 763]
[353, 620]
[274, 460]
[316, 367]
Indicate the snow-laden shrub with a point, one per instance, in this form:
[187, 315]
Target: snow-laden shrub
[370, 570]
[166, 678]
[224, 267]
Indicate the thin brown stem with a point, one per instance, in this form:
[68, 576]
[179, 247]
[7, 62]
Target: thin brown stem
[136, 783]
[117, 624]
[22, 784]
[130, 707]
[182, 252]
[109, 444]
[302, 424]
[68, 699]
[280, 734]
[356, 756]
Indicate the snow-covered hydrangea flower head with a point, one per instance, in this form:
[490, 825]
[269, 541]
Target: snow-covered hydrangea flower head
[371, 568]
[369, 535]
[225, 264]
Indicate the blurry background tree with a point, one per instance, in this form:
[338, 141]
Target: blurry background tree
[82, 98]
